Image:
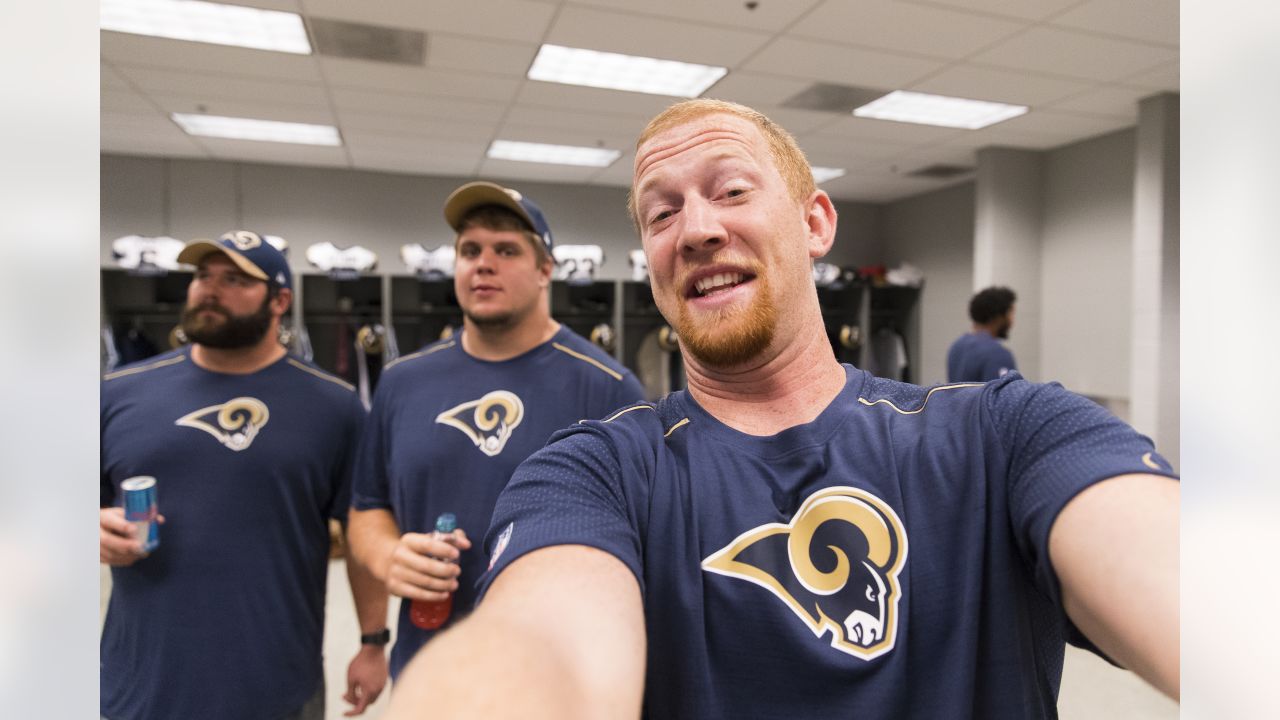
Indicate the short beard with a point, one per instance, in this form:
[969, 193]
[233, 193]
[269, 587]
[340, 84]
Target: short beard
[733, 337]
[491, 322]
[233, 333]
[1002, 332]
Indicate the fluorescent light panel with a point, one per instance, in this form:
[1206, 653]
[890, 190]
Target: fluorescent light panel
[260, 130]
[823, 174]
[613, 71]
[926, 109]
[552, 154]
[207, 22]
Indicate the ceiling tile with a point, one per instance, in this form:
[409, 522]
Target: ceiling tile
[360, 142]
[843, 152]
[1150, 20]
[275, 153]
[858, 128]
[813, 60]
[139, 50]
[622, 142]
[1165, 77]
[903, 27]
[767, 16]
[282, 112]
[1074, 54]
[412, 115]
[366, 75]
[572, 97]
[756, 89]
[586, 124]
[520, 20]
[214, 87]
[109, 78]
[652, 37]
[1008, 86]
[1112, 100]
[1066, 126]
[125, 102]
[452, 52]
[1025, 9]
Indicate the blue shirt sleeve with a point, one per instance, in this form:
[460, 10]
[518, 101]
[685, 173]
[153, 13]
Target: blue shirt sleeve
[345, 469]
[569, 493]
[1058, 444]
[370, 489]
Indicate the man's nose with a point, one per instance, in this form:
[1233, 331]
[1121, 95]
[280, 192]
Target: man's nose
[700, 228]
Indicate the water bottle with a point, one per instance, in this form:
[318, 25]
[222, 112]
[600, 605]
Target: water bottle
[426, 614]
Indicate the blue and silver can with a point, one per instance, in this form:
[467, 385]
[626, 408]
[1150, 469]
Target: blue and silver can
[140, 508]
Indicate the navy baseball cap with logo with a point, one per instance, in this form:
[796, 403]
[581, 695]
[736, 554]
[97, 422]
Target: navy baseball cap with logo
[475, 194]
[251, 252]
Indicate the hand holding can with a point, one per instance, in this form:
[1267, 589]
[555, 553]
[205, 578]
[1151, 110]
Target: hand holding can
[142, 510]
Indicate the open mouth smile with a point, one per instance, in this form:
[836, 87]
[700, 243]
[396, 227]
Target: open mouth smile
[717, 283]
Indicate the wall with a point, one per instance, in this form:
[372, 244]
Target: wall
[1087, 242]
[934, 232]
[381, 211]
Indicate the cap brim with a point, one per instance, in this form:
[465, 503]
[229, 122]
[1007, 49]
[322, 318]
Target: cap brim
[475, 194]
[198, 250]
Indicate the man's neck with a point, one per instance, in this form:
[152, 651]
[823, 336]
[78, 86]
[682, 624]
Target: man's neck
[495, 343]
[985, 330]
[783, 389]
[239, 361]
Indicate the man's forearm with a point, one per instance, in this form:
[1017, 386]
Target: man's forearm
[372, 535]
[559, 635]
[370, 595]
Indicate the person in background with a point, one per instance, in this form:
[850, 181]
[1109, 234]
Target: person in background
[450, 423]
[979, 356]
[792, 537]
[251, 450]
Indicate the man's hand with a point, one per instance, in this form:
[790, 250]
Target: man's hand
[420, 567]
[117, 544]
[366, 677]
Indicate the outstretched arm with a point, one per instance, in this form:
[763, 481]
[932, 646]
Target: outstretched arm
[1115, 550]
[560, 634]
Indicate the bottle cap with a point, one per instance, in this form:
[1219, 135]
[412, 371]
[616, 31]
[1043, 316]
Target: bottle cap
[446, 523]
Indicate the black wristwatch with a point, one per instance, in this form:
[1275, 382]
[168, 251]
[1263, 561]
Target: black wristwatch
[380, 638]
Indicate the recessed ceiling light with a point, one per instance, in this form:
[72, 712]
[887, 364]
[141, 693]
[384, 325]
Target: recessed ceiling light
[261, 130]
[926, 109]
[553, 154]
[207, 22]
[823, 174]
[613, 71]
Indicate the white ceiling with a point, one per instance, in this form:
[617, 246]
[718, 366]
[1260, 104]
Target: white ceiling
[1082, 66]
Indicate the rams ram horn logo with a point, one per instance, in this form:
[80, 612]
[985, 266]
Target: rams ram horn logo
[235, 423]
[488, 421]
[243, 239]
[836, 565]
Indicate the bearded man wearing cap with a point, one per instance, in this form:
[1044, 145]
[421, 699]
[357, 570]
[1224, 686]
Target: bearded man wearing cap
[451, 422]
[252, 451]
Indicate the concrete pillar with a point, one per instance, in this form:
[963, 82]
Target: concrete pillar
[1155, 396]
[1006, 251]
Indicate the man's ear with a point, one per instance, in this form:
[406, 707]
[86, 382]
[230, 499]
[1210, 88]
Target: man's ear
[820, 221]
[546, 266]
[281, 303]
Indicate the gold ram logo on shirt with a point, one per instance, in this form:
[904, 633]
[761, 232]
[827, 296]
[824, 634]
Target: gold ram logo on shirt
[488, 421]
[835, 565]
[234, 423]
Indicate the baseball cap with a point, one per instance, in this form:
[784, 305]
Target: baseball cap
[475, 194]
[248, 250]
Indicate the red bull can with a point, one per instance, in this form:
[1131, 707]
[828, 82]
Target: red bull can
[140, 508]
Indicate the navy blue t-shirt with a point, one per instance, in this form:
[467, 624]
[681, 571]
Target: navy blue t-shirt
[978, 357]
[887, 560]
[225, 619]
[446, 431]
